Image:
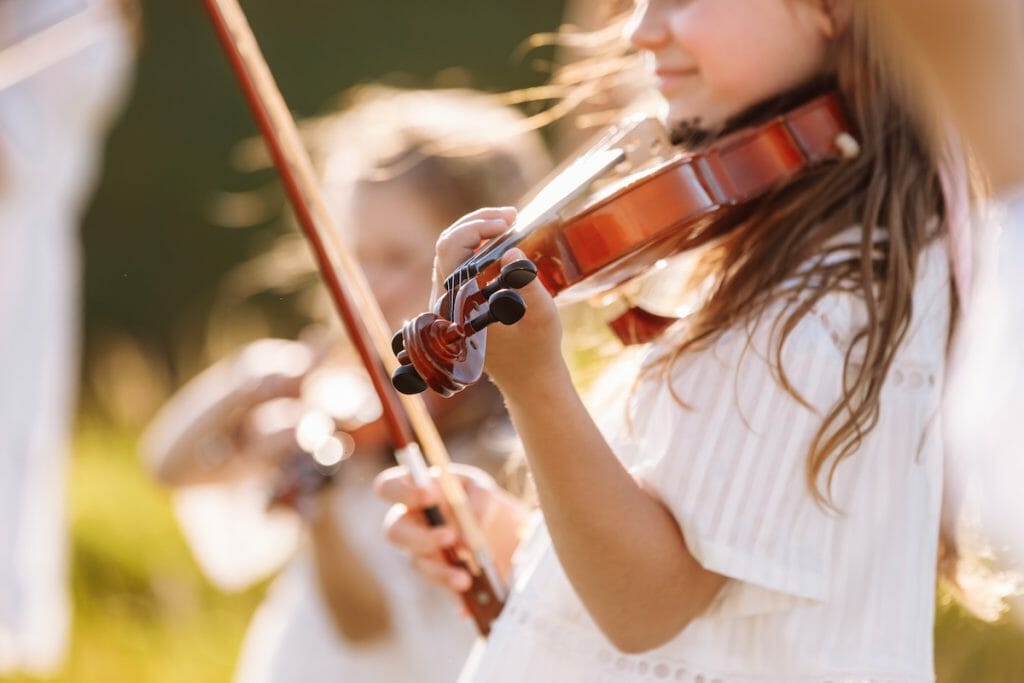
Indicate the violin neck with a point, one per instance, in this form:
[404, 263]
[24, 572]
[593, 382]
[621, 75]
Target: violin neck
[625, 149]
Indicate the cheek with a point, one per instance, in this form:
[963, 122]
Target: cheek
[747, 55]
[711, 37]
[403, 287]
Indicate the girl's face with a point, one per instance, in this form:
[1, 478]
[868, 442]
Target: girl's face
[712, 59]
[395, 231]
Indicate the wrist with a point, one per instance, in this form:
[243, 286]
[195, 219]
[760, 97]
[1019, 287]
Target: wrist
[535, 384]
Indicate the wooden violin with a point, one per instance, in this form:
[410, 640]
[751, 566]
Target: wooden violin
[608, 217]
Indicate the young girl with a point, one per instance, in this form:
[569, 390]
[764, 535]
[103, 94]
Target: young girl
[397, 166]
[766, 505]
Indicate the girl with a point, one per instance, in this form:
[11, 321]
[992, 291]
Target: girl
[765, 507]
[398, 166]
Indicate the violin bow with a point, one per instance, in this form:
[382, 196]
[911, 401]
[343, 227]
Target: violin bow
[350, 293]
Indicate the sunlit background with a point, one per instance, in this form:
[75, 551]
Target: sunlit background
[173, 214]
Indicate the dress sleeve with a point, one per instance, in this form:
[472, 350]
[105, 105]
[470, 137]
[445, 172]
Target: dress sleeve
[729, 462]
[235, 540]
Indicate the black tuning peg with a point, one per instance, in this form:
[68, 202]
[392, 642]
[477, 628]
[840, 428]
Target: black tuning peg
[407, 381]
[515, 275]
[505, 307]
[398, 343]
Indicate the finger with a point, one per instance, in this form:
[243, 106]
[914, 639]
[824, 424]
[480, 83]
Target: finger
[459, 242]
[395, 485]
[267, 431]
[534, 288]
[275, 447]
[409, 531]
[503, 213]
[271, 367]
[441, 572]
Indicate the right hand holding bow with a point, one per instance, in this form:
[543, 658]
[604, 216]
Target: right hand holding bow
[501, 518]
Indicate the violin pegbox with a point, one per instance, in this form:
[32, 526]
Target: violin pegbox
[446, 353]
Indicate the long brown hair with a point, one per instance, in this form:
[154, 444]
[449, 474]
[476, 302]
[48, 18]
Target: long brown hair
[786, 252]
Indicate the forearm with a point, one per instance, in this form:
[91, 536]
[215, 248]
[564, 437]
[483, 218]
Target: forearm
[354, 598]
[187, 444]
[645, 586]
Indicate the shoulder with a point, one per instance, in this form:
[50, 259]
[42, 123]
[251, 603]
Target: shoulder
[798, 340]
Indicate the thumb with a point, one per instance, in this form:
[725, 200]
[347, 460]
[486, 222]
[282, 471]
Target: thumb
[535, 287]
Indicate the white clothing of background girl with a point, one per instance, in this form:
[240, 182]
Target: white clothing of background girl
[52, 124]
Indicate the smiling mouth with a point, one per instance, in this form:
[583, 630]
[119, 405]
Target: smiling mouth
[669, 79]
[668, 74]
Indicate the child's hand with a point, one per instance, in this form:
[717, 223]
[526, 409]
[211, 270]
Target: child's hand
[519, 355]
[236, 417]
[459, 240]
[498, 513]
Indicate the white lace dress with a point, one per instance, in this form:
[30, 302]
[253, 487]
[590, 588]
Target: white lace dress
[292, 637]
[814, 597]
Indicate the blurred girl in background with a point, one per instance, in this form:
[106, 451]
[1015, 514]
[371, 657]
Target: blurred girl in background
[397, 167]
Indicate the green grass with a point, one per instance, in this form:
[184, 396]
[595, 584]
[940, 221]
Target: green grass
[143, 612]
[971, 651]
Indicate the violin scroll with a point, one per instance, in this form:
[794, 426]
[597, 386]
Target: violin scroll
[446, 352]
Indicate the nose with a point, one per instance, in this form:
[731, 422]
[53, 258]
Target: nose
[648, 29]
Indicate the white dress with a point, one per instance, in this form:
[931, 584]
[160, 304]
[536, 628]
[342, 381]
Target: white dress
[292, 637]
[53, 120]
[814, 597]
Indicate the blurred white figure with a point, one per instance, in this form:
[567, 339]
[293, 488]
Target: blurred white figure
[970, 55]
[54, 113]
[986, 397]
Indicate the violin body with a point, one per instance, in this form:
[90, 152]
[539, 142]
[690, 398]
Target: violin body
[638, 201]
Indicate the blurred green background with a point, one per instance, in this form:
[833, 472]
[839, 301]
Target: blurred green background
[156, 246]
[154, 243]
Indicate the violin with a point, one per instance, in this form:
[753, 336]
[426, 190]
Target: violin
[626, 203]
[345, 419]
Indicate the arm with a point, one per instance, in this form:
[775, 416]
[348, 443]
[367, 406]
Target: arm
[353, 597]
[646, 586]
[205, 433]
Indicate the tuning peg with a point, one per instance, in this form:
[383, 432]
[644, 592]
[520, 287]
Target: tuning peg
[505, 307]
[407, 381]
[515, 275]
[398, 343]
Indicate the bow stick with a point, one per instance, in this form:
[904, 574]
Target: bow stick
[350, 292]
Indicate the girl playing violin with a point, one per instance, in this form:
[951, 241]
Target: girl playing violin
[764, 506]
[397, 167]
